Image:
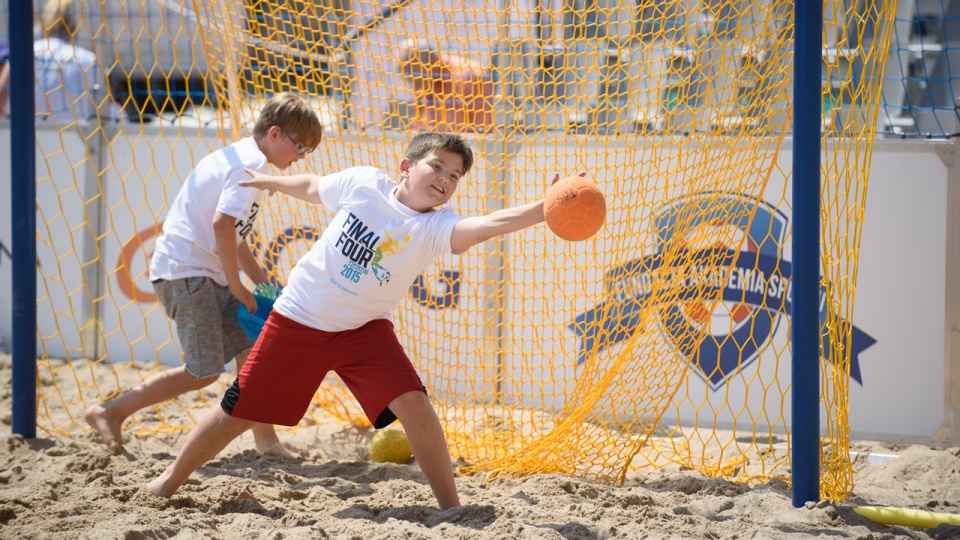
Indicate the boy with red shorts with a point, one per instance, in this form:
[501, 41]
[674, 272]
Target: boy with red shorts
[334, 313]
[195, 268]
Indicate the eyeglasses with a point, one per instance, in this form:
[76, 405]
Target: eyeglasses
[301, 149]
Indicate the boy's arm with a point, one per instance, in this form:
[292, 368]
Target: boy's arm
[4, 89]
[249, 264]
[226, 237]
[301, 186]
[471, 231]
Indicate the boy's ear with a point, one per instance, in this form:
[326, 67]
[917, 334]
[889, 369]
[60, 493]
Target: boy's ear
[405, 165]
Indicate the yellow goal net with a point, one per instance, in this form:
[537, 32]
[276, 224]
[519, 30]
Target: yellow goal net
[661, 341]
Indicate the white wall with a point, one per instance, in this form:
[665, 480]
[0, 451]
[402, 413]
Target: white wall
[900, 296]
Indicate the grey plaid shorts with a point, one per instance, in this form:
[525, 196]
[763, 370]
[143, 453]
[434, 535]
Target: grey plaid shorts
[206, 317]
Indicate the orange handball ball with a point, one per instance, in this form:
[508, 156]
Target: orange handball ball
[574, 208]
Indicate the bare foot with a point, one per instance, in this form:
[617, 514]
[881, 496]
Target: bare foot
[159, 486]
[108, 429]
[278, 449]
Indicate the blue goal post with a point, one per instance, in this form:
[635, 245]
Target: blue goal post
[805, 316]
[23, 192]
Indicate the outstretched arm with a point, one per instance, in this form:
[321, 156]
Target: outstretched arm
[471, 231]
[301, 186]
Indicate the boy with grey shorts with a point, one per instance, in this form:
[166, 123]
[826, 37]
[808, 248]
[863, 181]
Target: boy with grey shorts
[206, 316]
[197, 260]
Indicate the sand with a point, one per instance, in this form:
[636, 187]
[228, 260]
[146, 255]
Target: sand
[71, 487]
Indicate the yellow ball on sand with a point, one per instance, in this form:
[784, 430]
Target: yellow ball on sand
[390, 445]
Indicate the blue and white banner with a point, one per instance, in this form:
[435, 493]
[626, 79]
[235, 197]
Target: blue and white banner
[747, 289]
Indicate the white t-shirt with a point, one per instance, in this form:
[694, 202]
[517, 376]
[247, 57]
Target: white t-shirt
[187, 246]
[364, 263]
[67, 82]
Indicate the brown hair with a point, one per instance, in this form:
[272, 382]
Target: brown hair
[293, 115]
[424, 143]
[57, 18]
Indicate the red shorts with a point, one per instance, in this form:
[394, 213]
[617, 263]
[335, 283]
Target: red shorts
[289, 361]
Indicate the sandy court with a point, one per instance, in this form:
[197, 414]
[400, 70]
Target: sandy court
[70, 487]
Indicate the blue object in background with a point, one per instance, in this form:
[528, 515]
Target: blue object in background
[252, 323]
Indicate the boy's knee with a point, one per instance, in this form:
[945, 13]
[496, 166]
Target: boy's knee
[413, 402]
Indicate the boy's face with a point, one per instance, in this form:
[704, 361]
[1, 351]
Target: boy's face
[282, 148]
[430, 182]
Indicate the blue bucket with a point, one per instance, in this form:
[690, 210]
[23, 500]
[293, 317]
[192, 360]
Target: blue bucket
[252, 323]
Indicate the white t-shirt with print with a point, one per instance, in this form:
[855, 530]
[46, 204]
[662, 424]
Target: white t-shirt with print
[187, 246]
[367, 258]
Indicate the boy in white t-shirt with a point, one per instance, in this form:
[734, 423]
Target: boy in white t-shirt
[334, 313]
[195, 268]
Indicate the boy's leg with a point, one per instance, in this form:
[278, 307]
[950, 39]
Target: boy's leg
[107, 418]
[193, 304]
[428, 443]
[264, 435]
[266, 441]
[210, 436]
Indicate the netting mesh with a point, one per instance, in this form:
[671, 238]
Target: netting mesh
[662, 340]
